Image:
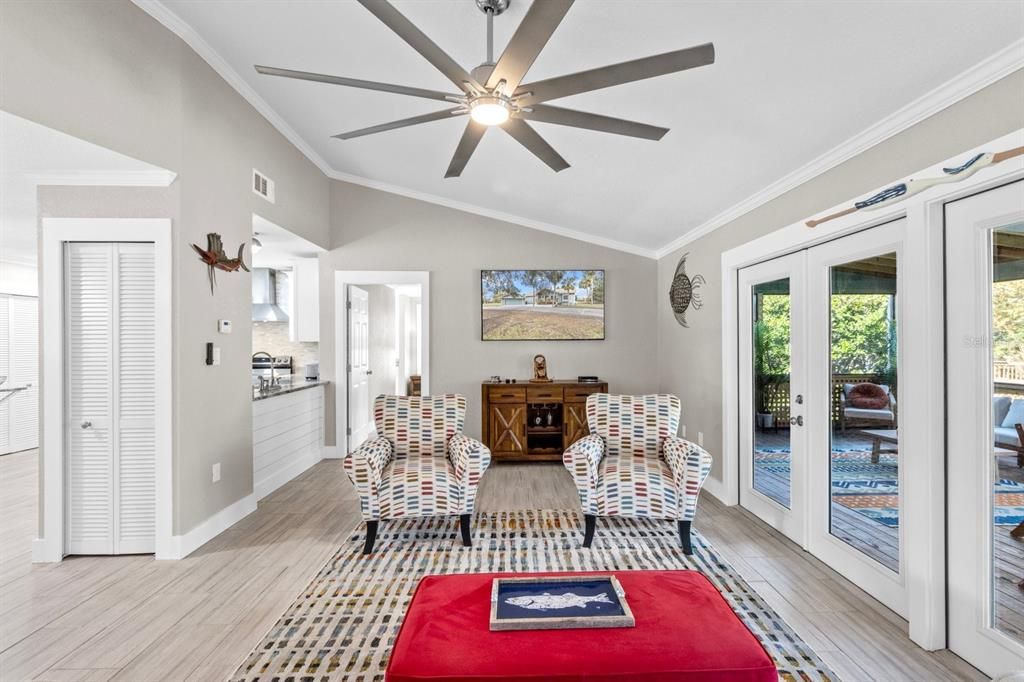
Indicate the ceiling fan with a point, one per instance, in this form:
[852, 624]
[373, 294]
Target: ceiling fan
[493, 93]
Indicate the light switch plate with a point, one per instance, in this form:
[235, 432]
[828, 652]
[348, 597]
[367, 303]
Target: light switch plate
[224, 326]
[684, 430]
[700, 438]
[216, 472]
[216, 355]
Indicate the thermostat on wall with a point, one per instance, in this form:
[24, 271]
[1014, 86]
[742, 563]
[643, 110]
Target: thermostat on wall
[224, 326]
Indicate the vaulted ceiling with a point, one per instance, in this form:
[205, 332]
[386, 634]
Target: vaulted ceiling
[792, 80]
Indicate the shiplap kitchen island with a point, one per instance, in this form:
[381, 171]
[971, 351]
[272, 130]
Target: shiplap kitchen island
[287, 432]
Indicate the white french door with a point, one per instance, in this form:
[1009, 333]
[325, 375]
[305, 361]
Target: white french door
[773, 445]
[359, 422]
[19, 373]
[819, 389]
[855, 379]
[110, 390]
[984, 331]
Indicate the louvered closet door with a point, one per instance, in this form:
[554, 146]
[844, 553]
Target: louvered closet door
[110, 481]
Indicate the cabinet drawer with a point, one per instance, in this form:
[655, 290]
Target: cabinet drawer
[579, 393]
[544, 394]
[506, 394]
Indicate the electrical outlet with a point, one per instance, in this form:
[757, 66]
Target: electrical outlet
[700, 438]
[216, 472]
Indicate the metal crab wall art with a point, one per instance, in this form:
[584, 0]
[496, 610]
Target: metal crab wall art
[215, 258]
[684, 293]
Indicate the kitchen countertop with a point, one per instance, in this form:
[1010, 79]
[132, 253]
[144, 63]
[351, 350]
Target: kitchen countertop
[287, 385]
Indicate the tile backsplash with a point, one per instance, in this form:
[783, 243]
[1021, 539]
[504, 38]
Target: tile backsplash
[272, 337]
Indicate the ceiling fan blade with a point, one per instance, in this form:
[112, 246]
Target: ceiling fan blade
[467, 145]
[616, 74]
[581, 119]
[533, 34]
[402, 123]
[529, 138]
[355, 83]
[418, 40]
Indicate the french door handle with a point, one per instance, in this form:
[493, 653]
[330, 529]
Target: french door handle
[86, 425]
[796, 421]
[799, 399]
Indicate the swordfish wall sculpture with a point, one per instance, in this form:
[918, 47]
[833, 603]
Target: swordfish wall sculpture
[903, 190]
[215, 258]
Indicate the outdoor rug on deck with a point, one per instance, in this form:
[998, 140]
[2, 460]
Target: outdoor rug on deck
[344, 623]
[873, 489]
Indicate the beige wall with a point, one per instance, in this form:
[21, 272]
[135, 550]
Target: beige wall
[690, 359]
[108, 73]
[373, 230]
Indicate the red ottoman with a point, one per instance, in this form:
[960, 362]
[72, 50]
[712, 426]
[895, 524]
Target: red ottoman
[684, 631]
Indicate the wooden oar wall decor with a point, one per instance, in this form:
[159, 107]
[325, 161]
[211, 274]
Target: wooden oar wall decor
[215, 258]
[901, 191]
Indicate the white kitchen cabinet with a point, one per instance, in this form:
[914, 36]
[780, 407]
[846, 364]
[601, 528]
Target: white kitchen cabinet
[304, 320]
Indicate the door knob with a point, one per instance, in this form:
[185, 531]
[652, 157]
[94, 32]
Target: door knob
[796, 421]
[799, 399]
[369, 371]
[86, 425]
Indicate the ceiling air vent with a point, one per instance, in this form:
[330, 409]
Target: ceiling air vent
[262, 185]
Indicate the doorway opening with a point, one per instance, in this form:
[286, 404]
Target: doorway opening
[383, 333]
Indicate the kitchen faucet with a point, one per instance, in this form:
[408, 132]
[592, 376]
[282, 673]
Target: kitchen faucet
[273, 376]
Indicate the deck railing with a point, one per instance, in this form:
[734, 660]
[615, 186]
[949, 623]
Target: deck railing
[1008, 373]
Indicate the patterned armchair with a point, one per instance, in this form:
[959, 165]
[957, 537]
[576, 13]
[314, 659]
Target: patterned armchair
[419, 464]
[632, 463]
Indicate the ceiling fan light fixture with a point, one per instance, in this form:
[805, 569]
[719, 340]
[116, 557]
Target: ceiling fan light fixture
[490, 110]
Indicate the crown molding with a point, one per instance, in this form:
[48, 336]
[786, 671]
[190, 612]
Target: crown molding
[982, 74]
[495, 215]
[116, 178]
[986, 72]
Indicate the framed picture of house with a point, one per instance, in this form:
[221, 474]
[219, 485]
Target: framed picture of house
[542, 305]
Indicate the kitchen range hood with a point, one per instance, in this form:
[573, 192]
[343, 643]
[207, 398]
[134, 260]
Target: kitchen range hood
[264, 297]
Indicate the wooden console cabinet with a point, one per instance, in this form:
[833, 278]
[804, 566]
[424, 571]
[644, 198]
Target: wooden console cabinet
[511, 413]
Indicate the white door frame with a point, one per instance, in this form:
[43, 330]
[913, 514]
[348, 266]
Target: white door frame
[55, 232]
[922, 411]
[342, 278]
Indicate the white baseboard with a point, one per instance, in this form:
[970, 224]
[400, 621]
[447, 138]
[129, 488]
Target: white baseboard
[331, 452]
[270, 483]
[43, 553]
[183, 545]
[717, 489]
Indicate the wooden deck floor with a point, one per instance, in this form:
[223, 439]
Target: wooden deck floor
[133, 618]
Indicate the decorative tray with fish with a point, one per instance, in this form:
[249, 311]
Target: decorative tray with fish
[559, 603]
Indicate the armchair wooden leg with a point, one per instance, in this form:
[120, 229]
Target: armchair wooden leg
[589, 522]
[684, 537]
[371, 536]
[464, 527]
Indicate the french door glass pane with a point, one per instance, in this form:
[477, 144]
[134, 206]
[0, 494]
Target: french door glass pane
[771, 337]
[1008, 412]
[864, 453]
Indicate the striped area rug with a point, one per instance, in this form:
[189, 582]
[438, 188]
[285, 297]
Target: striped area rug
[344, 623]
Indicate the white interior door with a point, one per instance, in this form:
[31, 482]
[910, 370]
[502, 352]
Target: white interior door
[985, 371]
[772, 437]
[359, 421]
[110, 351]
[855, 465]
[19, 363]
